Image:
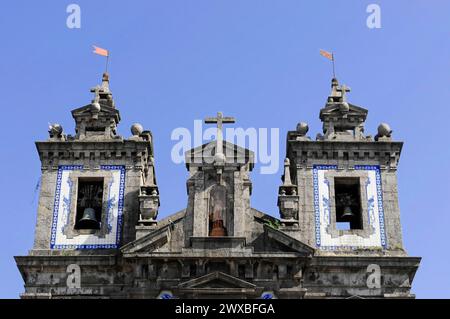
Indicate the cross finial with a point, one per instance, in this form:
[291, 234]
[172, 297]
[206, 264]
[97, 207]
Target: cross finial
[220, 120]
[343, 89]
[96, 90]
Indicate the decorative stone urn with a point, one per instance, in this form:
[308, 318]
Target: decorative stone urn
[288, 203]
[148, 204]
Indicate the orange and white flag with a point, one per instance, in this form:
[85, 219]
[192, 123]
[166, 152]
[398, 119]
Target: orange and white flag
[327, 54]
[100, 51]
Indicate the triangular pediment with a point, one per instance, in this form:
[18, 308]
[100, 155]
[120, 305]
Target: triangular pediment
[216, 280]
[354, 110]
[148, 243]
[155, 238]
[205, 154]
[283, 242]
[105, 110]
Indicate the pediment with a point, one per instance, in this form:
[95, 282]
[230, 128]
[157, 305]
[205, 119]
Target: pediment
[105, 110]
[156, 238]
[217, 280]
[234, 154]
[148, 243]
[286, 242]
[334, 108]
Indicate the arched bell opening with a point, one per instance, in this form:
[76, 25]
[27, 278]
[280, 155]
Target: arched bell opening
[89, 203]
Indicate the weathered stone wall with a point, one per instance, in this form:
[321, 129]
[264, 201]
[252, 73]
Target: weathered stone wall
[132, 154]
[304, 154]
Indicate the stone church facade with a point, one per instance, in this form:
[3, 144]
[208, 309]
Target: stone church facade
[338, 234]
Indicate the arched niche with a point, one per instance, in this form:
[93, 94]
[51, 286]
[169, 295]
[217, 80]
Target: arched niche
[217, 212]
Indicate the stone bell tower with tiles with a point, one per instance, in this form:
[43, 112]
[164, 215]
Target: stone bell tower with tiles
[346, 181]
[96, 186]
[340, 196]
[90, 172]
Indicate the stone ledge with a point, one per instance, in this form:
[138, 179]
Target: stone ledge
[218, 242]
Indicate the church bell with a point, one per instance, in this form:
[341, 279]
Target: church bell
[347, 214]
[88, 221]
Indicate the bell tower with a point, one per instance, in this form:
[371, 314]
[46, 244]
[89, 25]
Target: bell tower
[93, 189]
[340, 190]
[98, 236]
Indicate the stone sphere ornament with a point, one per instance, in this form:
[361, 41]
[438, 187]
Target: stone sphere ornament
[384, 130]
[219, 159]
[344, 107]
[136, 129]
[95, 107]
[302, 128]
[55, 129]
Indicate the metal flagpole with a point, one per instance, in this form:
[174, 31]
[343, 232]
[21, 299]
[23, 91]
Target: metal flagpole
[332, 59]
[107, 60]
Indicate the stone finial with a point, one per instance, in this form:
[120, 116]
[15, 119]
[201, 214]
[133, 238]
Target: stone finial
[97, 120]
[55, 129]
[148, 204]
[56, 132]
[302, 128]
[338, 94]
[105, 82]
[103, 93]
[344, 107]
[136, 129]
[334, 82]
[287, 173]
[341, 120]
[138, 133]
[384, 132]
[95, 105]
[343, 89]
[300, 132]
[219, 157]
[288, 199]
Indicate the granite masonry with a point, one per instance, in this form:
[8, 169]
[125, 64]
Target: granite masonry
[98, 234]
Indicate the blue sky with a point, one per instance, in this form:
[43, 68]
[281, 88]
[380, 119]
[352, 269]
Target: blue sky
[176, 61]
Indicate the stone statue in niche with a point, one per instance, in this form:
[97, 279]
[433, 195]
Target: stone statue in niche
[217, 211]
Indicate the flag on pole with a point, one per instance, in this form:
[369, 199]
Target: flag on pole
[100, 51]
[327, 54]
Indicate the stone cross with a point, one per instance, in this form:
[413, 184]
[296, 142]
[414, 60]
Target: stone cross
[343, 89]
[96, 90]
[220, 120]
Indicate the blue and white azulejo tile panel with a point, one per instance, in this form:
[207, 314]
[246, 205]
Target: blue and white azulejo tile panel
[374, 205]
[63, 210]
